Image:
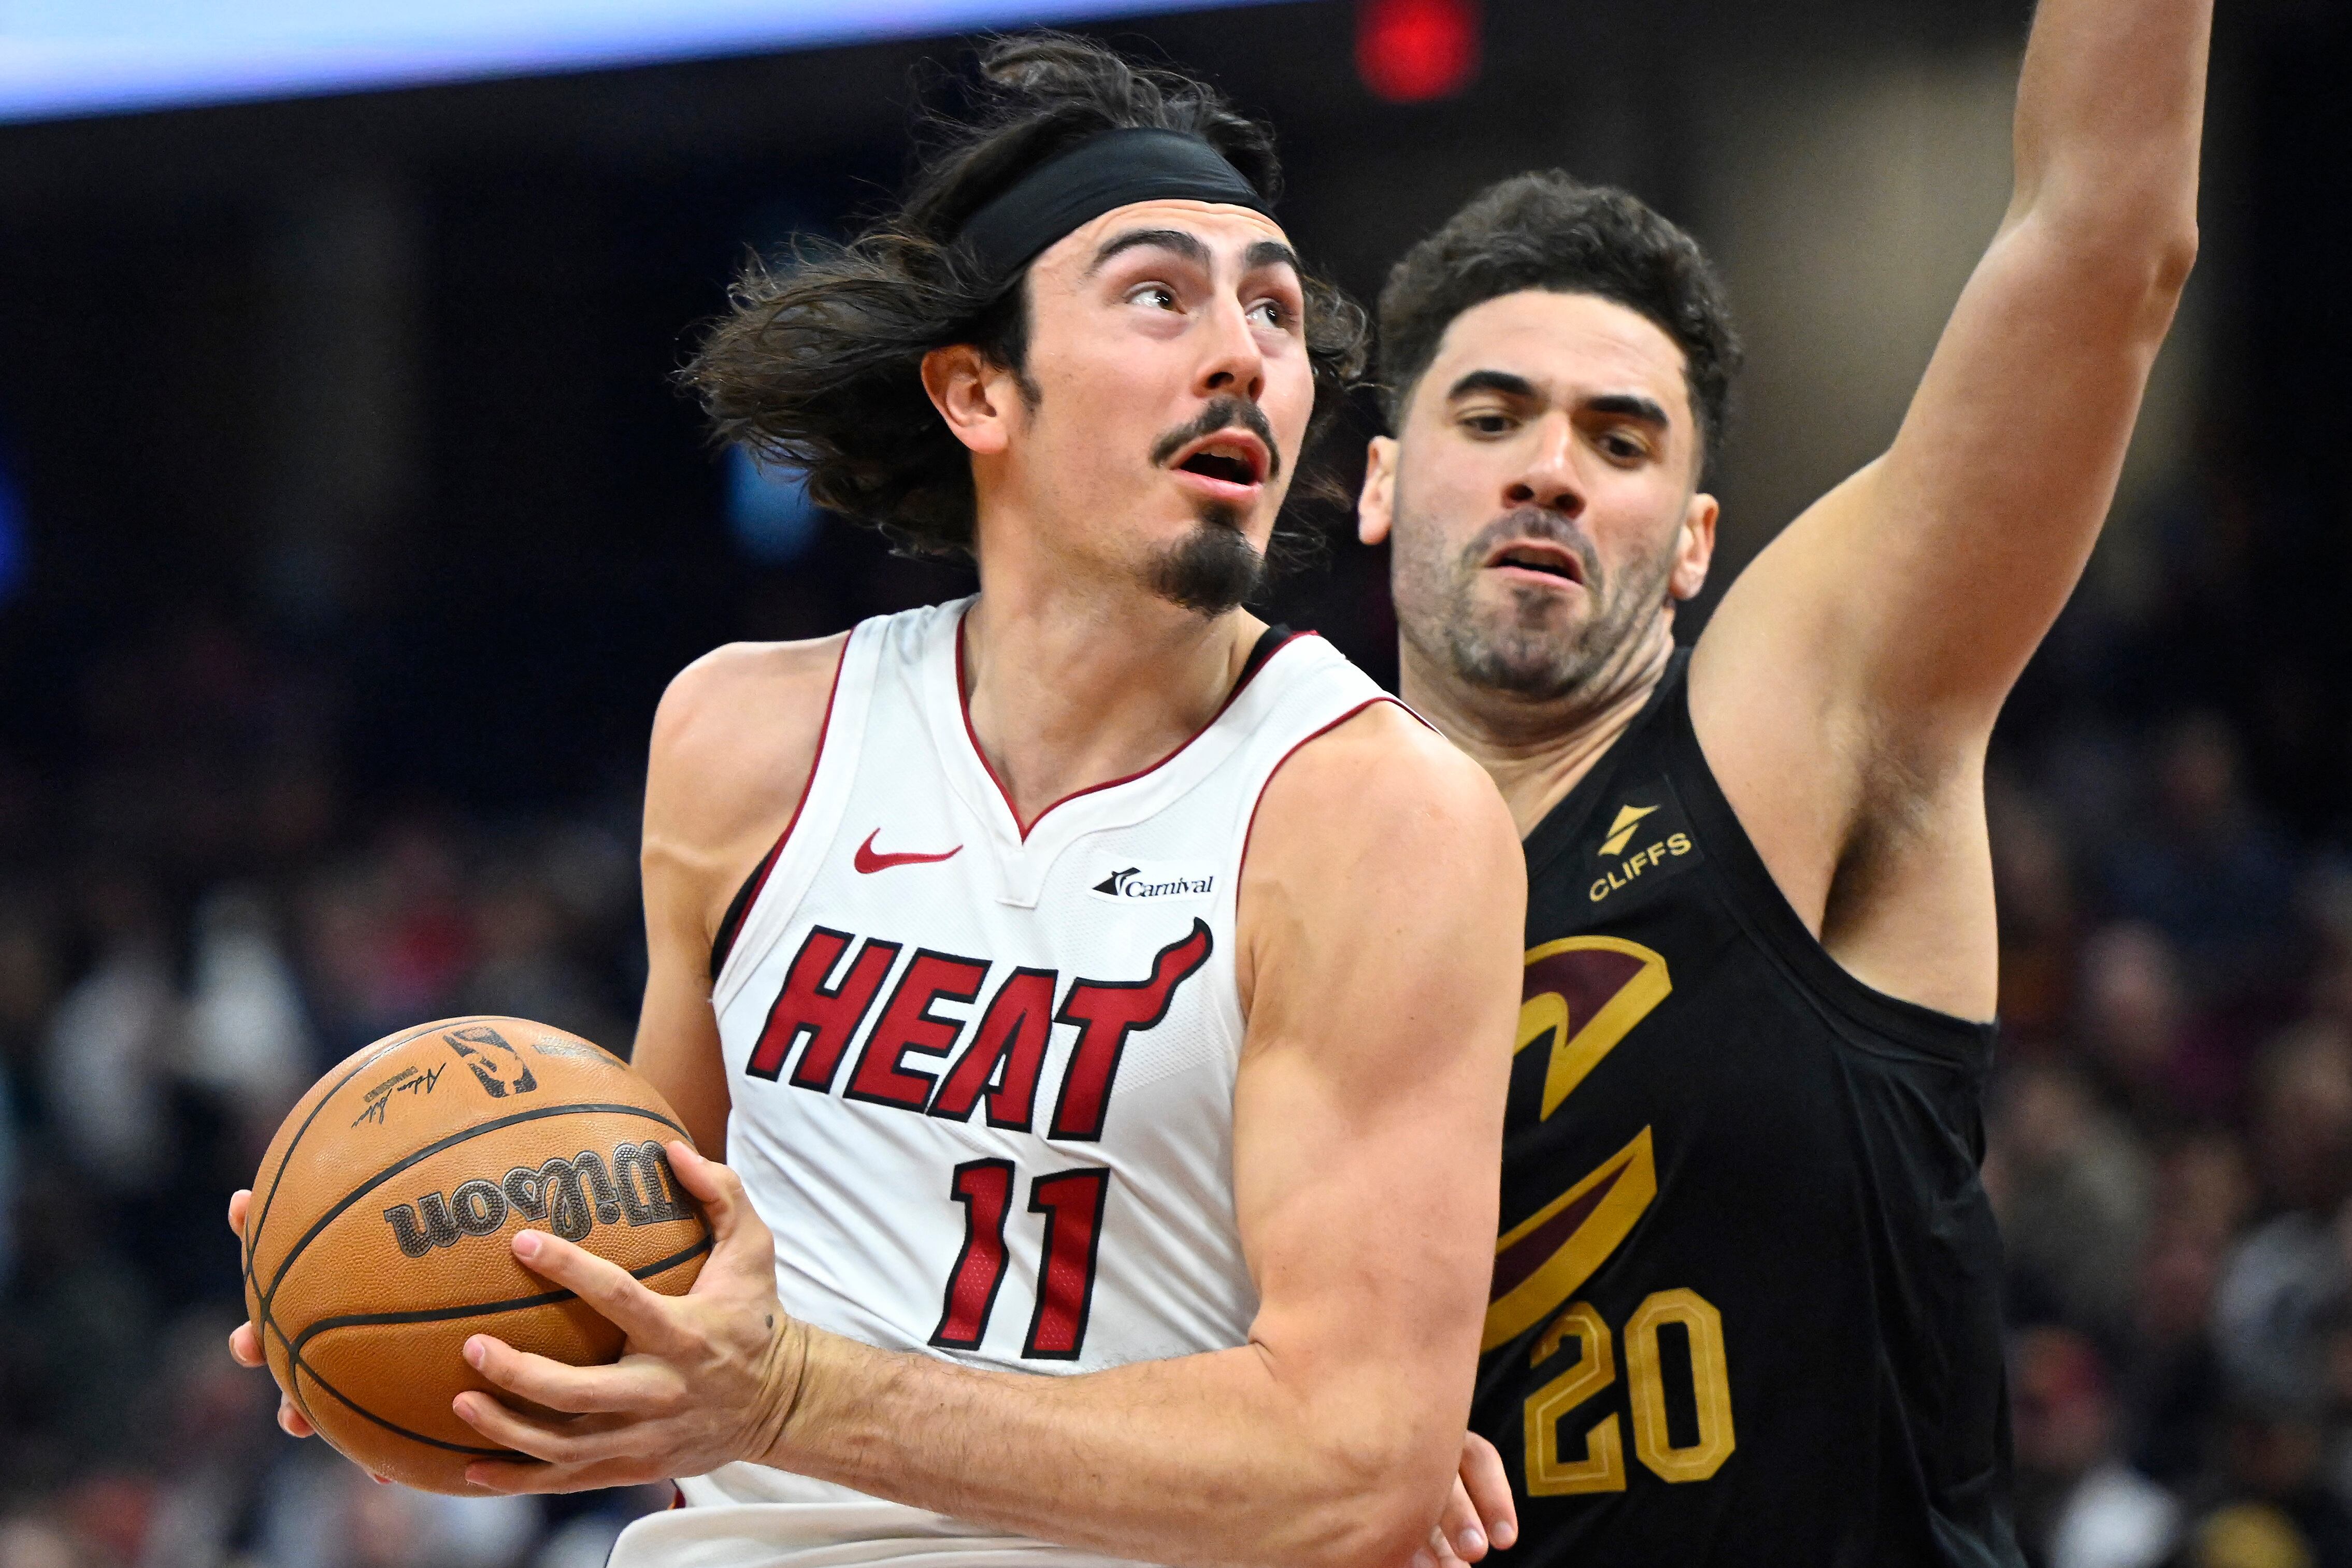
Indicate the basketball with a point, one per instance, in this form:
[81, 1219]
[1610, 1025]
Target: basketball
[378, 1237]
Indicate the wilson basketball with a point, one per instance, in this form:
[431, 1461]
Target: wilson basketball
[378, 1235]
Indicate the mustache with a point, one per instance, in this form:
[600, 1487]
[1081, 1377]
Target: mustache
[1222, 412]
[1533, 523]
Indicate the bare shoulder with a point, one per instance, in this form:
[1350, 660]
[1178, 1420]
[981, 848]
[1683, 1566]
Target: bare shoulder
[702, 718]
[1382, 818]
[1382, 903]
[1382, 769]
[734, 740]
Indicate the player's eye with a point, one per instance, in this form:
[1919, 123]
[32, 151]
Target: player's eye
[1159, 296]
[1271, 314]
[1623, 447]
[1488, 423]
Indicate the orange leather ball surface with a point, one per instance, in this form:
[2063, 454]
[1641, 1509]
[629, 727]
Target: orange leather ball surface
[378, 1234]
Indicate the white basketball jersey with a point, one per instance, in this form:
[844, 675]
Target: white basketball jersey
[982, 1080]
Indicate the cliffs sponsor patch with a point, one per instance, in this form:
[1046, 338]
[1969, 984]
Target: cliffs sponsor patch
[1643, 841]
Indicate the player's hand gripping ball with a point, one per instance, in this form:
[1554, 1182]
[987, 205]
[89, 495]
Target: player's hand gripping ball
[378, 1236]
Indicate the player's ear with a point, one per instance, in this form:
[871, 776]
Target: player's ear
[1376, 506]
[971, 395]
[1695, 549]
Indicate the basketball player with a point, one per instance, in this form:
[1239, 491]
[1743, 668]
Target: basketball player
[1744, 1306]
[1104, 999]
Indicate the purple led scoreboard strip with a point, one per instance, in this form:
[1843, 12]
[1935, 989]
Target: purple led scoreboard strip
[65, 58]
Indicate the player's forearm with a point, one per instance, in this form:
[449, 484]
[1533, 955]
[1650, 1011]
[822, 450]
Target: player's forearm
[2110, 110]
[1203, 1460]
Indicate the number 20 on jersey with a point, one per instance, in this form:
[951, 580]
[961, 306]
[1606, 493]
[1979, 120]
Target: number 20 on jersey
[1585, 995]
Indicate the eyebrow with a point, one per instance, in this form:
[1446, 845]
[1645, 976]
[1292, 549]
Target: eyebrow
[1271, 252]
[1624, 405]
[1502, 382]
[1630, 405]
[1264, 254]
[1176, 240]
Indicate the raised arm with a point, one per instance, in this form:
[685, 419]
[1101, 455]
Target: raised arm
[1925, 581]
[1382, 910]
[1855, 671]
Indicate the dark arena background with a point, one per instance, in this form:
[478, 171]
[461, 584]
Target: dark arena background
[350, 525]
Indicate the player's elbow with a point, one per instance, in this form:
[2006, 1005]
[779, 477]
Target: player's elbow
[2176, 258]
[2129, 238]
[2149, 273]
[2150, 252]
[2121, 263]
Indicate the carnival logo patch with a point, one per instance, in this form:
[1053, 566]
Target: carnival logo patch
[1157, 881]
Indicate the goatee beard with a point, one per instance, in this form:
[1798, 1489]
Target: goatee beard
[1211, 569]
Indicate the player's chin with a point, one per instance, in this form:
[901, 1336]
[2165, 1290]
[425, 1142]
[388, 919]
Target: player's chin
[1510, 653]
[1527, 609]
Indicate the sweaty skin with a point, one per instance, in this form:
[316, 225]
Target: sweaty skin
[1845, 689]
[1368, 1108]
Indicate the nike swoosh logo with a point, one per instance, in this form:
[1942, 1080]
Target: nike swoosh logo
[868, 862]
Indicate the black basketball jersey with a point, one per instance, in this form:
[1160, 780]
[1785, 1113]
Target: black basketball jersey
[1745, 1307]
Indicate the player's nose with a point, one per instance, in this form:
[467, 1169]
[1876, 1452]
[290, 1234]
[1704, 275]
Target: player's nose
[1236, 364]
[1545, 474]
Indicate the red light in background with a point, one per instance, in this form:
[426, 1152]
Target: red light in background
[1410, 51]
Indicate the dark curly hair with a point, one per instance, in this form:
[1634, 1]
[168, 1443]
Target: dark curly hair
[1550, 231]
[817, 365]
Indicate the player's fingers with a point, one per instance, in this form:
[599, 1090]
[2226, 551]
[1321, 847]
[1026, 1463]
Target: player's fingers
[605, 1286]
[1458, 1528]
[1488, 1485]
[244, 1346]
[492, 1476]
[237, 1203]
[291, 1419]
[572, 1441]
[741, 1242]
[512, 1429]
[498, 1476]
[639, 1387]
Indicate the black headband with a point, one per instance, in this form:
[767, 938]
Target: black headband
[1113, 169]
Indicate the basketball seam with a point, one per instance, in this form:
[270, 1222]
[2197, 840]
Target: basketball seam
[486, 1308]
[302, 1371]
[252, 1238]
[255, 1222]
[267, 1301]
[536, 1113]
[299, 1368]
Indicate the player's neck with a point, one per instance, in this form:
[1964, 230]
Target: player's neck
[1067, 690]
[1537, 750]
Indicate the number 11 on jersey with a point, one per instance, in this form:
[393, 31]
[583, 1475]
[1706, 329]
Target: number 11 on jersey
[1072, 1202]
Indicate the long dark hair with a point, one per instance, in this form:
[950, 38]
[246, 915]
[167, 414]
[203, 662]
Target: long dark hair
[818, 363]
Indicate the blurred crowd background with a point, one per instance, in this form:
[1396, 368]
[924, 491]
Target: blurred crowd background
[350, 526]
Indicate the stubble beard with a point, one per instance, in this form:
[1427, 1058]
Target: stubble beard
[1521, 648]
